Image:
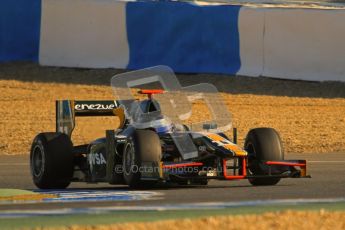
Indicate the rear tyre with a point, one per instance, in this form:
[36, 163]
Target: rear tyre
[263, 144]
[144, 146]
[51, 160]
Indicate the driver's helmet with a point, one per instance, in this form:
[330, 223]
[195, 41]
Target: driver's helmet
[147, 114]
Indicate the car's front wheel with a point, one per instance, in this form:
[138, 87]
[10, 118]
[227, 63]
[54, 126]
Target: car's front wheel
[263, 144]
[143, 147]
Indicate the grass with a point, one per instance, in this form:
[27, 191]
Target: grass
[147, 216]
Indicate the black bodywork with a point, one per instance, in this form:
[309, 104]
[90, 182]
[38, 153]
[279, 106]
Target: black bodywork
[101, 160]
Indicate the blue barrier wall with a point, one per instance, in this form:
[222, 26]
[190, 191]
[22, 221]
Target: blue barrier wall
[190, 38]
[186, 37]
[19, 29]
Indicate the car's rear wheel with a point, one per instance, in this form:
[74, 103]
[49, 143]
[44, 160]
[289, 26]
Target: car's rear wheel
[143, 147]
[263, 144]
[51, 160]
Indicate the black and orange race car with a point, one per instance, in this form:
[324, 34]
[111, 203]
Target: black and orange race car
[140, 154]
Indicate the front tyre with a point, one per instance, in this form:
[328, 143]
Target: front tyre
[143, 146]
[263, 144]
[51, 160]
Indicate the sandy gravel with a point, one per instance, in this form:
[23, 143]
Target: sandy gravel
[310, 116]
[272, 220]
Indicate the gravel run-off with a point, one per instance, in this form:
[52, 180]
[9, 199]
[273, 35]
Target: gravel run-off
[310, 116]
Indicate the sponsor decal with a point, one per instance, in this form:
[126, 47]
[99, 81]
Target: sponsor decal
[96, 159]
[80, 107]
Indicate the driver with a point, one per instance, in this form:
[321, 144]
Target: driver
[146, 114]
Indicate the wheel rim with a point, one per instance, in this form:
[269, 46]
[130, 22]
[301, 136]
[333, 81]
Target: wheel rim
[38, 161]
[128, 160]
[255, 165]
[251, 156]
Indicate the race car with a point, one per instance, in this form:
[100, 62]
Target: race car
[154, 150]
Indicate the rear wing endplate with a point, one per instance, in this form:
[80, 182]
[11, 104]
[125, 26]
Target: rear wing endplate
[67, 110]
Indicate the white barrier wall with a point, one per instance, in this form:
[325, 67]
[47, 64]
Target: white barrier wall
[251, 32]
[304, 44]
[84, 33]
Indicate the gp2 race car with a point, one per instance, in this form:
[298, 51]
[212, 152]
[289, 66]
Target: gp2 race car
[141, 156]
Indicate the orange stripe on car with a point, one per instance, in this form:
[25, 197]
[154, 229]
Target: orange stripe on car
[221, 141]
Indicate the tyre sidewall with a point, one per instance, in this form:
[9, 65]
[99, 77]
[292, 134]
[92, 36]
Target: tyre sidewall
[56, 150]
[130, 174]
[146, 148]
[263, 144]
[39, 143]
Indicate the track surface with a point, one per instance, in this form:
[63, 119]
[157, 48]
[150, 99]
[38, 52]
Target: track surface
[327, 170]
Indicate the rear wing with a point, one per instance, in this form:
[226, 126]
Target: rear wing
[67, 110]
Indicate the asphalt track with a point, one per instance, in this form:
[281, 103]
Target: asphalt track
[327, 171]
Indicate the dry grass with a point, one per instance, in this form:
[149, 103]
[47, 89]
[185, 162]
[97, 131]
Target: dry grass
[307, 123]
[272, 220]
